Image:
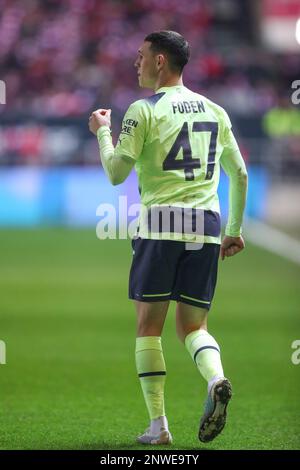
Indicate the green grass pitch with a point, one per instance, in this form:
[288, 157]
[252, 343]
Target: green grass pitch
[70, 379]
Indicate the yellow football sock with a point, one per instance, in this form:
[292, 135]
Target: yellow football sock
[151, 369]
[205, 352]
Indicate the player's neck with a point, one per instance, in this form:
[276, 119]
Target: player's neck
[169, 81]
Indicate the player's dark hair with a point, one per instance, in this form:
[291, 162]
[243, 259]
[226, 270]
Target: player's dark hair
[172, 44]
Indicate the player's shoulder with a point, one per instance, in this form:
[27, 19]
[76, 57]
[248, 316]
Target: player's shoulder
[219, 111]
[212, 105]
[141, 107]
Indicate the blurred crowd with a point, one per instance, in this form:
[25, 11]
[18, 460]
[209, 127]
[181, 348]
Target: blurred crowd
[64, 58]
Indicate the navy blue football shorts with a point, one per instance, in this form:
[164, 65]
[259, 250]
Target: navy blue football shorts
[166, 270]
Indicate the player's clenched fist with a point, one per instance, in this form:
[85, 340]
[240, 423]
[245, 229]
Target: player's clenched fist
[231, 246]
[100, 117]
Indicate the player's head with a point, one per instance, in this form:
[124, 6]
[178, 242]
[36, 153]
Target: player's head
[162, 52]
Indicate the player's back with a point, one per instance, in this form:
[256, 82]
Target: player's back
[183, 143]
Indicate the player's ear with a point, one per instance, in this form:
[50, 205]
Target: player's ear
[160, 61]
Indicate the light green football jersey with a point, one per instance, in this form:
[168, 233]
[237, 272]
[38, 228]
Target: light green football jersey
[176, 138]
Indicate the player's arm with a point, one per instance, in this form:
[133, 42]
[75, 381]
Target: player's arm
[119, 161]
[234, 166]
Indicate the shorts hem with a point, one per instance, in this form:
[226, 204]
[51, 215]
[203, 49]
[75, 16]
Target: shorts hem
[191, 302]
[174, 297]
[149, 299]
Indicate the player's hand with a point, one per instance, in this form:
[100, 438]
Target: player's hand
[231, 246]
[100, 117]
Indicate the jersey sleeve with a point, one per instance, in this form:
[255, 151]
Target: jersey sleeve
[134, 131]
[228, 140]
[234, 166]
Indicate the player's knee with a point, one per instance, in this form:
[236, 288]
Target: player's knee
[147, 326]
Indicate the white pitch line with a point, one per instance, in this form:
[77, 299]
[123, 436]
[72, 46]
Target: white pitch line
[272, 239]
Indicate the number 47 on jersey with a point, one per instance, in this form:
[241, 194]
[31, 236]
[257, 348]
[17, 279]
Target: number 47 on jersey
[188, 163]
